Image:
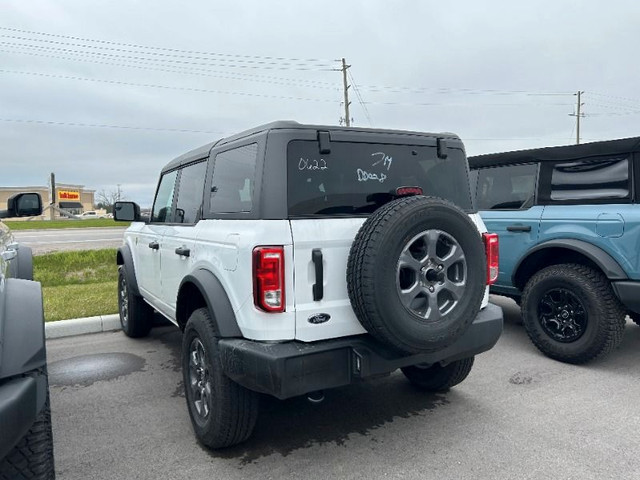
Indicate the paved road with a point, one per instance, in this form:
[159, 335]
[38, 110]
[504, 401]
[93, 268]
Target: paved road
[119, 413]
[45, 241]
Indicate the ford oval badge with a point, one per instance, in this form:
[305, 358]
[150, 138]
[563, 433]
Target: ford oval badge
[317, 318]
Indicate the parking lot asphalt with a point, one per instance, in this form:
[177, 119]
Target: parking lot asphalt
[119, 413]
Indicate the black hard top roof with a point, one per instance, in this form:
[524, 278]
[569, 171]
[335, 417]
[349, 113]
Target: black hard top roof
[203, 151]
[554, 154]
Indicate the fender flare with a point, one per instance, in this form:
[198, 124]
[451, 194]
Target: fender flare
[609, 266]
[23, 346]
[22, 265]
[125, 258]
[216, 299]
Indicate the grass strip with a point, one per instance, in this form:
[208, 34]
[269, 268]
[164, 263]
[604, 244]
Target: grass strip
[78, 301]
[78, 284]
[76, 267]
[69, 223]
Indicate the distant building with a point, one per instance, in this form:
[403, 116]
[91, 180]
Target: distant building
[73, 198]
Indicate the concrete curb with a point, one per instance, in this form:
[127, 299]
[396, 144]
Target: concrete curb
[81, 326]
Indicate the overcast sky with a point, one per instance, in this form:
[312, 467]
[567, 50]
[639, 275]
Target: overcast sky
[501, 74]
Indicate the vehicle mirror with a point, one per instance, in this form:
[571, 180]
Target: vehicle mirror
[126, 212]
[24, 205]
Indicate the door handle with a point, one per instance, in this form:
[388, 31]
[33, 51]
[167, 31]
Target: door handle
[318, 288]
[154, 245]
[183, 251]
[519, 228]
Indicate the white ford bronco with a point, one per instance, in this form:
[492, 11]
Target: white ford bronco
[297, 258]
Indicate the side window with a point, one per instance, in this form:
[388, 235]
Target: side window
[590, 179]
[190, 191]
[161, 212]
[511, 187]
[233, 180]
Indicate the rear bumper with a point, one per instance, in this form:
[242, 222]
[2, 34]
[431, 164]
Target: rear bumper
[21, 400]
[294, 368]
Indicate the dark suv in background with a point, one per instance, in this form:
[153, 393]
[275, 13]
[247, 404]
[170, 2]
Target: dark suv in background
[569, 228]
[26, 441]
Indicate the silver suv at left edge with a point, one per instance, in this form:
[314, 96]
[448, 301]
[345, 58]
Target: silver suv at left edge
[26, 440]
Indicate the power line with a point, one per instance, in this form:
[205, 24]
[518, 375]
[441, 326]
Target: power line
[616, 107]
[68, 51]
[157, 54]
[364, 105]
[168, 87]
[469, 91]
[635, 100]
[621, 114]
[468, 104]
[181, 71]
[512, 139]
[418, 104]
[102, 125]
[176, 130]
[108, 42]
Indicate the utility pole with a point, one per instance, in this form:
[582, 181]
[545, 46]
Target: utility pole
[347, 118]
[53, 196]
[578, 115]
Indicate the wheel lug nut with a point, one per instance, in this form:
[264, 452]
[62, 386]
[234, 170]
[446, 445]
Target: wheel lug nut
[440, 267]
[431, 289]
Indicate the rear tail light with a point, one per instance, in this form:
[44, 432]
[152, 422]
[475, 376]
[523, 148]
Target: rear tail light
[491, 249]
[268, 278]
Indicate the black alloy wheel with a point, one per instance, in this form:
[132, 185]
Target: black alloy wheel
[199, 380]
[562, 315]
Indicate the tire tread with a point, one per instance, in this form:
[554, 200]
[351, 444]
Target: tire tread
[32, 457]
[360, 271]
[609, 310]
[140, 312]
[438, 378]
[238, 406]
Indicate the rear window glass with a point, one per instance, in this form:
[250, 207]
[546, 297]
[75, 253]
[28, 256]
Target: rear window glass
[357, 178]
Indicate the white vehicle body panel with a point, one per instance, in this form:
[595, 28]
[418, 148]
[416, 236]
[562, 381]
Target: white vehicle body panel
[334, 237]
[225, 248]
[145, 259]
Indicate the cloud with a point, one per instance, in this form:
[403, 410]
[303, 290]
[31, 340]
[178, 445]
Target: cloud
[475, 50]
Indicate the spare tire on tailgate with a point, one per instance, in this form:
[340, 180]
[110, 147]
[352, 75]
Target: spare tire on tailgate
[416, 274]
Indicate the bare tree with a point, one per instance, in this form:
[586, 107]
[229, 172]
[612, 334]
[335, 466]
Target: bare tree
[106, 198]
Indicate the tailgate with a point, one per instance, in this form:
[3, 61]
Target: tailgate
[332, 315]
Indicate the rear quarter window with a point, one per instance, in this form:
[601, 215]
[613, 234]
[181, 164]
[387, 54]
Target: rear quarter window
[357, 178]
[606, 178]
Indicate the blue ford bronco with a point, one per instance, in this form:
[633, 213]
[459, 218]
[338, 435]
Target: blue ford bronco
[569, 231]
[26, 441]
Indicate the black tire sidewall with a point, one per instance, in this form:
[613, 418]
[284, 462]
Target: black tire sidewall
[122, 279]
[590, 302]
[233, 409]
[140, 314]
[195, 329]
[33, 455]
[438, 378]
